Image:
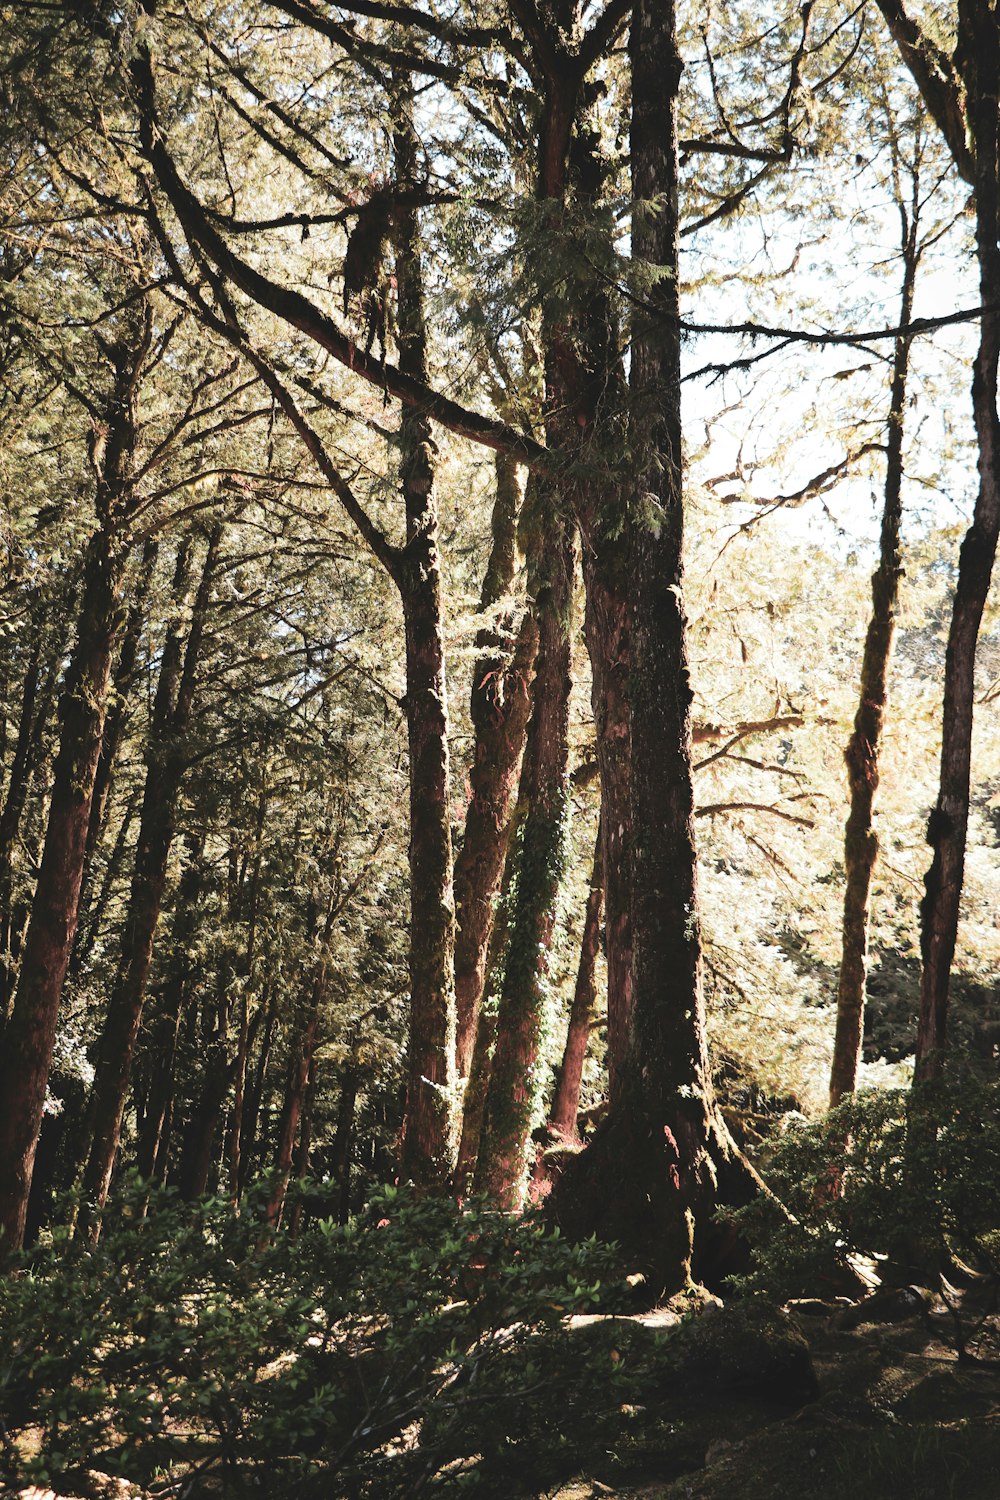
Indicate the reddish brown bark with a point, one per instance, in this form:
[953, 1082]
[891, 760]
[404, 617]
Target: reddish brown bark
[513, 1095]
[863, 751]
[477, 1083]
[500, 704]
[948, 827]
[165, 762]
[566, 1100]
[162, 1035]
[300, 1065]
[30, 1032]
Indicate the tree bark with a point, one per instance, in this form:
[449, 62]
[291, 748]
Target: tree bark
[425, 1149]
[662, 1160]
[513, 1095]
[165, 762]
[864, 748]
[500, 706]
[979, 49]
[300, 1065]
[477, 1083]
[29, 1036]
[159, 1052]
[566, 1101]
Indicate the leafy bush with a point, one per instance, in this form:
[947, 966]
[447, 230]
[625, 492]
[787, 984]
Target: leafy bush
[908, 1179]
[178, 1353]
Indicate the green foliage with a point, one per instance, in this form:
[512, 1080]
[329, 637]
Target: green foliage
[908, 1180]
[186, 1349]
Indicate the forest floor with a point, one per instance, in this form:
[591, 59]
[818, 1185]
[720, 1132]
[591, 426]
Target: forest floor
[896, 1413]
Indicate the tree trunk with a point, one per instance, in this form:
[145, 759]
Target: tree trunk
[300, 1165]
[607, 624]
[425, 1150]
[948, 825]
[250, 1115]
[477, 1083]
[500, 706]
[662, 1161]
[29, 1036]
[26, 748]
[566, 1102]
[343, 1140]
[300, 1065]
[513, 1095]
[119, 706]
[864, 748]
[165, 760]
[160, 1049]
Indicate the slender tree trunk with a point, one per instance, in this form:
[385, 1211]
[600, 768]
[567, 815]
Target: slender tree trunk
[30, 728]
[566, 1102]
[343, 1140]
[864, 749]
[607, 624]
[513, 1095]
[300, 1165]
[500, 706]
[166, 762]
[29, 1036]
[160, 1049]
[425, 1152]
[300, 1065]
[250, 1116]
[119, 706]
[948, 826]
[477, 1083]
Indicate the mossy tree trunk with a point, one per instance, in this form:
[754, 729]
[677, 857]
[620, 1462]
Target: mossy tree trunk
[864, 748]
[662, 1161]
[425, 1153]
[566, 1100]
[500, 704]
[512, 1097]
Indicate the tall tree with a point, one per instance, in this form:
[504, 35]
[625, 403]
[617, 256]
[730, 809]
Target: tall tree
[29, 1035]
[663, 1161]
[960, 93]
[864, 749]
[165, 759]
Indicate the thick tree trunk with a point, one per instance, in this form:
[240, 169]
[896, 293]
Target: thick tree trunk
[425, 1152]
[948, 826]
[500, 706]
[566, 1102]
[29, 1036]
[863, 751]
[165, 760]
[513, 1096]
[662, 1161]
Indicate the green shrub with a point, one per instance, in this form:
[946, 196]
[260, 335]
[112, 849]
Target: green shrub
[909, 1180]
[179, 1353]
